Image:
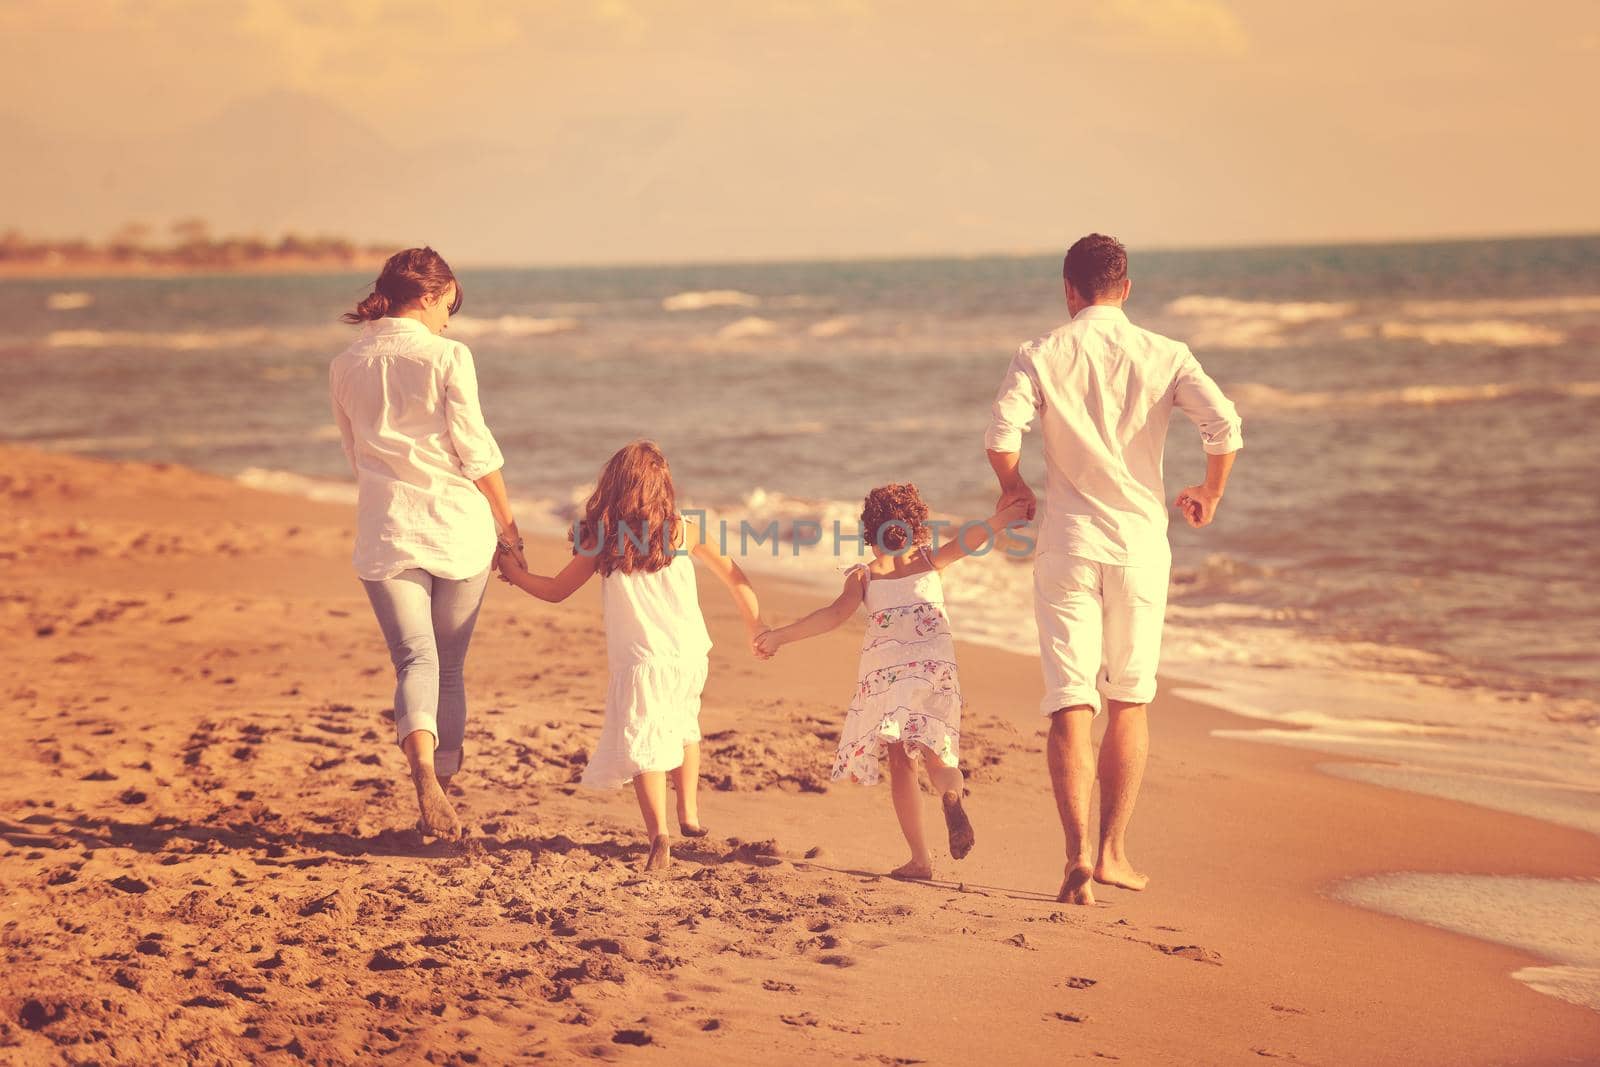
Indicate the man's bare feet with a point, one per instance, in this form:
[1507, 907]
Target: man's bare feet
[1075, 888]
[1119, 874]
[438, 819]
[660, 854]
[960, 827]
[913, 871]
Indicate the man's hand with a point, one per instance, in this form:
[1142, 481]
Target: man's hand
[1018, 494]
[1198, 505]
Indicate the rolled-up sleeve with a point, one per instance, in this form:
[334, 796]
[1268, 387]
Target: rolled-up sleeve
[474, 445]
[1202, 400]
[1015, 405]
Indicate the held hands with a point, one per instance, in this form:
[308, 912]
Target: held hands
[766, 644]
[509, 564]
[1018, 494]
[1015, 513]
[1198, 505]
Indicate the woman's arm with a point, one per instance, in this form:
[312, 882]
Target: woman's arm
[974, 536]
[493, 487]
[730, 574]
[820, 621]
[551, 590]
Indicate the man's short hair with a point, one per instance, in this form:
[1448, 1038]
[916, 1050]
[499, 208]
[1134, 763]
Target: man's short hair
[1096, 265]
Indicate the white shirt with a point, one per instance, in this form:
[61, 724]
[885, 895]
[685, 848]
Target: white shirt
[1103, 390]
[406, 402]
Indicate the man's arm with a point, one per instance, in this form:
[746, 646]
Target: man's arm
[1015, 406]
[1198, 397]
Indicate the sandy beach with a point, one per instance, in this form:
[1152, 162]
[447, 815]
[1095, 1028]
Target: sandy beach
[209, 854]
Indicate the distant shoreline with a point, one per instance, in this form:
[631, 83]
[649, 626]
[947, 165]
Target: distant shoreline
[112, 268]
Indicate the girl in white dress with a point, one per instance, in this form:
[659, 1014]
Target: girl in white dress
[908, 695]
[656, 639]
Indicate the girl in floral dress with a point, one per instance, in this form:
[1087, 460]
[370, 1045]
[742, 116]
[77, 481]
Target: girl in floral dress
[908, 695]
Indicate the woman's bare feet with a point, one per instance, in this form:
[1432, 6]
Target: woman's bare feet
[913, 870]
[438, 819]
[660, 854]
[1076, 888]
[960, 827]
[1120, 874]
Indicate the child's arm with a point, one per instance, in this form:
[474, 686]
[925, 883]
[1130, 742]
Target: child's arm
[553, 590]
[973, 537]
[731, 575]
[820, 621]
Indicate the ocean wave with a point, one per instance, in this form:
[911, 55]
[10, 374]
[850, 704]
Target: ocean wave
[1543, 305]
[311, 337]
[1498, 333]
[113, 444]
[1221, 322]
[73, 301]
[834, 327]
[1294, 312]
[1257, 397]
[747, 327]
[699, 299]
[511, 326]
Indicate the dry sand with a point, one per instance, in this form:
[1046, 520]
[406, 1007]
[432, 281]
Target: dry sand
[207, 853]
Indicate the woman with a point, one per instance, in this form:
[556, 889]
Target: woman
[430, 498]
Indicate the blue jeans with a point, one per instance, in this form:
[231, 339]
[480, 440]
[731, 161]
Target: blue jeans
[427, 622]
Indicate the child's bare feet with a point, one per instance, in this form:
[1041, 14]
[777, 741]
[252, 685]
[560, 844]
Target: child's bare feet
[438, 818]
[1120, 874]
[913, 870]
[960, 827]
[1076, 888]
[660, 854]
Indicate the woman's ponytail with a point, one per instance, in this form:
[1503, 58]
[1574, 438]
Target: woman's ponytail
[375, 306]
[406, 278]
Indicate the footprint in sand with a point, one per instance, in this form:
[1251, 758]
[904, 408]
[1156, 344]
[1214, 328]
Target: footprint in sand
[1079, 983]
[1191, 952]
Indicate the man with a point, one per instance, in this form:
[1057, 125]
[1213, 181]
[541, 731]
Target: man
[1103, 391]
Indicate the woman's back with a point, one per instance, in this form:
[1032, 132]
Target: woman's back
[406, 402]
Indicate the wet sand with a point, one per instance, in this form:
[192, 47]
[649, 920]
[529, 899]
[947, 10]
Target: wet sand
[208, 853]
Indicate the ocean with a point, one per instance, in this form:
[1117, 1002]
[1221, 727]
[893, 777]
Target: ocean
[1402, 569]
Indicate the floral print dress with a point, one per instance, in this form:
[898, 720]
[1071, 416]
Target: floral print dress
[908, 689]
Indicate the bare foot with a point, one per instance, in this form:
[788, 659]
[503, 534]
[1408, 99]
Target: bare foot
[1075, 888]
[1120, 875]
[955, 820]
[913, 871]
[660, 854]
[438, 818]
[692, 831]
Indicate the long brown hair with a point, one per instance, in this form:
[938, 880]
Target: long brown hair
[633, 504]
[406, 278]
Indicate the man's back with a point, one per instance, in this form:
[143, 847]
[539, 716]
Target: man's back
[1104, 390]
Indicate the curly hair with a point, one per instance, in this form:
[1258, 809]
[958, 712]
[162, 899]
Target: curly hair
[894, 518]
[630, 522]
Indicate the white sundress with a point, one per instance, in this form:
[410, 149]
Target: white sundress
[656, 654]
[908, 689]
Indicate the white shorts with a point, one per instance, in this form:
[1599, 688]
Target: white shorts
[1099, 629]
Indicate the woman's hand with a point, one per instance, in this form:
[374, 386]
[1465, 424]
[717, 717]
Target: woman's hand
[509, 564]
[511, 544]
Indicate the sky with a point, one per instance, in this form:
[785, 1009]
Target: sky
[580, 131]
